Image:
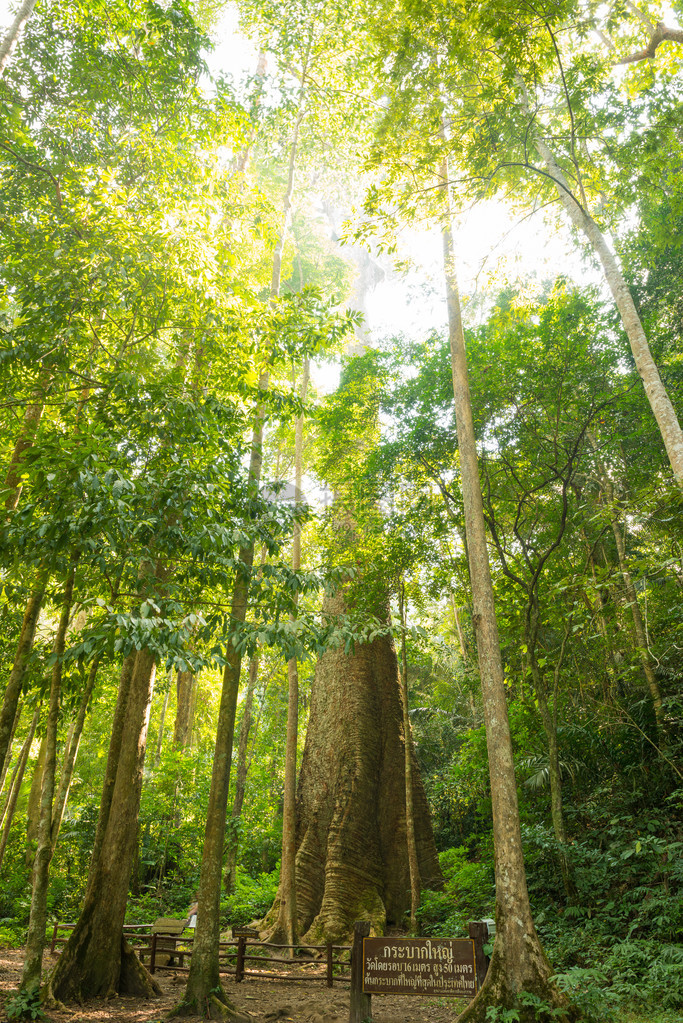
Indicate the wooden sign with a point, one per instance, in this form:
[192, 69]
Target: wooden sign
[414, 966]
[244, 932]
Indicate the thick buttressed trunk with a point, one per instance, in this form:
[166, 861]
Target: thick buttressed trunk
[97, 961]
[352, 859]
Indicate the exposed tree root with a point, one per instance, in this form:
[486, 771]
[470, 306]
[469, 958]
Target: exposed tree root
[134, 978]
[537, 993]
[213, 1006]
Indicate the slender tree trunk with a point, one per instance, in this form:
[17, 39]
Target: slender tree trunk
[162, 722]
[12, 37]
[8, 756]
[33, 805]
[413, 861]
[71, 753]
[203, 984]
[10, 702]
[642, 645]
[32, 417]
[185, 683]
[240, 777]
[659, 400]
[35, 941]
[286, 926]
[518, 962]
[15, 785]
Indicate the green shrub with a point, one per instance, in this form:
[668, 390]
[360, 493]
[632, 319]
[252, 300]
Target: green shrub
[12, 934]
[468, 894]
[648, 972]
[251, 899]
[25, 1005]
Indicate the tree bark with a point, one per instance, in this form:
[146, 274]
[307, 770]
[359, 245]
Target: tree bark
[518, 962]
[286, 926]
[10, 702]
[15, 785]
[71, 753]
[162, 722]
[240, 777]
[185, 682]
[97, 961]
[413, 861]
[352, 856]
[12, 36]
[33, 805]
[4, 768]
[659, 400]
[35, 941]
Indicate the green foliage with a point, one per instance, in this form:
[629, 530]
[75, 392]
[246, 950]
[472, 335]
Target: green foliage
[25, 1005]
[251, 899]
[528, 1008]
[467, 894]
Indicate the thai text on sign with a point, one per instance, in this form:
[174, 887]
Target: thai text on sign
[409, 966]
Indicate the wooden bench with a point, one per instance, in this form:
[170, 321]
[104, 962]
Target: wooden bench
[165, 934]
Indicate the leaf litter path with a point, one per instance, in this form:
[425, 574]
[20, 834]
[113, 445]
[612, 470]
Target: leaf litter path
[265, 1001]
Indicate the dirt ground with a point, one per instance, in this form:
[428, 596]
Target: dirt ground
[265, 1001]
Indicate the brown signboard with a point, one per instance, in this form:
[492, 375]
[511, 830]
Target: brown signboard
[412, 966]
[245, 932]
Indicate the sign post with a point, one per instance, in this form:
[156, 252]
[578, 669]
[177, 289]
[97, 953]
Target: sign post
[359, 1009]
[414, 966]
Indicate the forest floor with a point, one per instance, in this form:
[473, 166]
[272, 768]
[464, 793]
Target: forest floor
[265, 1001]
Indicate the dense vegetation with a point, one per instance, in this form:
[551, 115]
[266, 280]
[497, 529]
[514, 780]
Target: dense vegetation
[170, 268]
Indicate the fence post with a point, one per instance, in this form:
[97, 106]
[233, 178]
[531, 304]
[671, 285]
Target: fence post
[153, 954]
[359, 1007]
[479, 933]
[239, 965]
[54, 938]
[330, 974]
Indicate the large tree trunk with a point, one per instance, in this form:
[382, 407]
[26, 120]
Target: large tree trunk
[4, 768]
[352, 858]
[518, 962]
[97, 961]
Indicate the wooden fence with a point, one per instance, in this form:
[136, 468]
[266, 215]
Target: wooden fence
[161, 951]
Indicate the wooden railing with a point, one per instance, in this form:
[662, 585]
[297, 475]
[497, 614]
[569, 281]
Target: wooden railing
[169, 952]
[233, 955]
[131, 931]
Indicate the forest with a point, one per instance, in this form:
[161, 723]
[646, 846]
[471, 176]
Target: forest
[330, 593]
